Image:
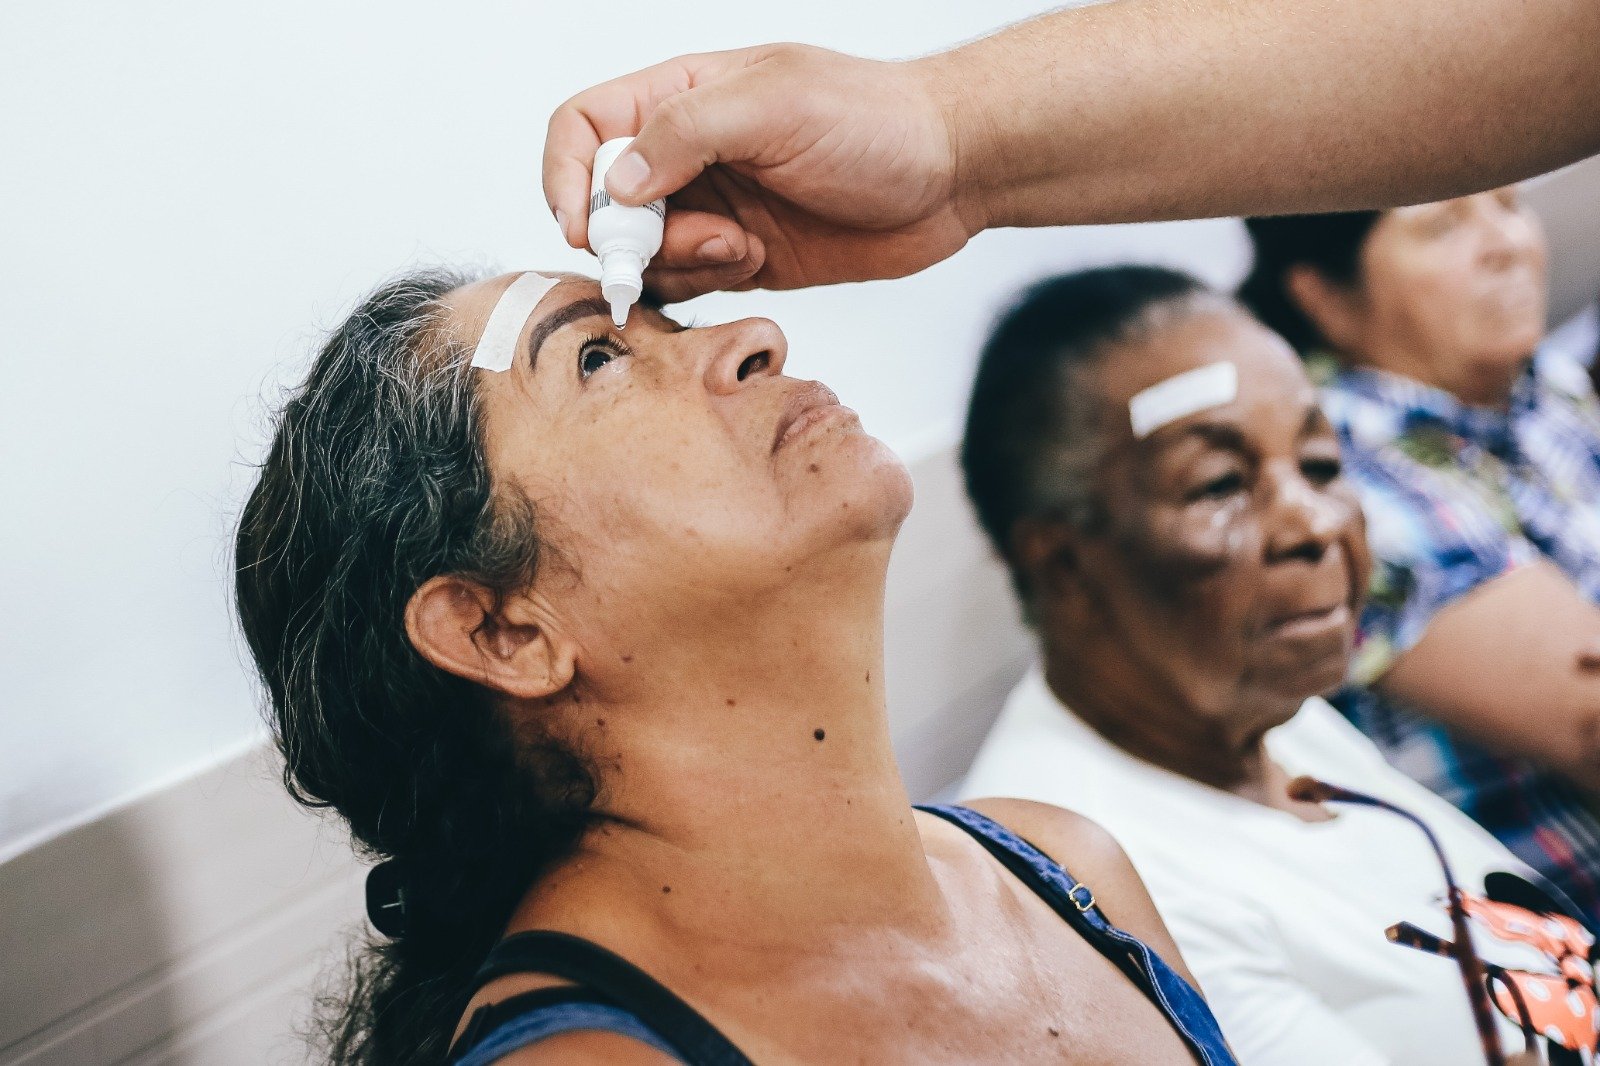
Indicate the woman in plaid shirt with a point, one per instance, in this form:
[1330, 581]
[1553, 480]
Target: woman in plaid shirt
[1478, 668]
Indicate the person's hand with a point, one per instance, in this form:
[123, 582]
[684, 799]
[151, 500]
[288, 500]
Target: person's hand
[783, 165]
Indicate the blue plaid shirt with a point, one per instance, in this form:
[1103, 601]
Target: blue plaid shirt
[1454, 496]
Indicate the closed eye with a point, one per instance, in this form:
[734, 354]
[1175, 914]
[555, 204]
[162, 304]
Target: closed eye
[1219, 487]
[1321, 471]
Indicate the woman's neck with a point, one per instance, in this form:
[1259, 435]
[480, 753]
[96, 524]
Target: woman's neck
[748, 778]
[1154, 722]
[1477, 384]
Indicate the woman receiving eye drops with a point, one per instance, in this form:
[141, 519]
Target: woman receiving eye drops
[583, 636]
[623, 237]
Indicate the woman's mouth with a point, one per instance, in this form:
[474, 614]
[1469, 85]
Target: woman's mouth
[1311, 625]
[809, 406]
[1515, 294]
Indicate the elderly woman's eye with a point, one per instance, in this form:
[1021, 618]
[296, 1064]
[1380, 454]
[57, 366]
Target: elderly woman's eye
[592, 356]
[1220, 487]
[1320, 471]
[1441, 222]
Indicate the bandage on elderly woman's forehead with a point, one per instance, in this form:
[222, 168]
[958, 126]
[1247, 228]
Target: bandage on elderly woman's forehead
[1182, 395]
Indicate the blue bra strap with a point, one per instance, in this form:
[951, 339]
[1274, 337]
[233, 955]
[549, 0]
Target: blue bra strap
[1183, 1007]
[529, 1025]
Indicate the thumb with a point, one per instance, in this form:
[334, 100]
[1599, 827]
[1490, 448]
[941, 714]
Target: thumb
[687, 132]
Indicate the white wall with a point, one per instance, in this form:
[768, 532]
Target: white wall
[190, 191]
[1568, 202]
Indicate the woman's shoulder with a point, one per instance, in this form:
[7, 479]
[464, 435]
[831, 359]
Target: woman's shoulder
[1076, 843]
[1092, 856]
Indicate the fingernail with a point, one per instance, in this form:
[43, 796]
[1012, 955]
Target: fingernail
[628, 174]
[561, 220]
[717, 250]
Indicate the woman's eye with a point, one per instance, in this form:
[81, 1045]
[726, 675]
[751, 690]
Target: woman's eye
[1321, 471]
[1219, 487]
[1443, 223]
[592, 357]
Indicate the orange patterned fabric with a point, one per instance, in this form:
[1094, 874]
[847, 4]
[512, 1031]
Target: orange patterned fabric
[1564, 1015]
[1563, 1007]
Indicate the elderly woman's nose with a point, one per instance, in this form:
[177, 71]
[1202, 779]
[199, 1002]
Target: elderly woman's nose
[1304, 520]
[742, 351]
[1508, 235]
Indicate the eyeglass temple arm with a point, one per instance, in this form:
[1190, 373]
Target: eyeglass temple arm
[1310, 790]
[1412, 936]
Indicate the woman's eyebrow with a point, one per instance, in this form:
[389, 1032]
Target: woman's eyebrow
[588, 307]
[1218, 435]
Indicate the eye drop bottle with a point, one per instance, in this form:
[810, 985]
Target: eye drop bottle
[623, 237]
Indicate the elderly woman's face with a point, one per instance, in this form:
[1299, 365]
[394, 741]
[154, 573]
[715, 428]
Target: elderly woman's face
[1457, 282]
[1233, 555]
[676, 469]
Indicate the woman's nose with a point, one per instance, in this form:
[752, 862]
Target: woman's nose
[1509, 235]
[1305, 520]
[742, 351]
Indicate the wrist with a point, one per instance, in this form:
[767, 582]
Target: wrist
[969, 132]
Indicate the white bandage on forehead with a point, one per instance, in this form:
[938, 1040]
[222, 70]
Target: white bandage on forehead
[1181, 396]
[497, 347]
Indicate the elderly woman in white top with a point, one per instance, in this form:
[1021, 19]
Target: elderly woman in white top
[1153, 466]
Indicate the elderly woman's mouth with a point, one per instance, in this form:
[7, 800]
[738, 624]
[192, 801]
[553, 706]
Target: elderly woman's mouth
[1311, 624]
[1516, 296]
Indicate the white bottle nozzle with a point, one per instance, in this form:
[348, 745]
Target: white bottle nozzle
[621, 281]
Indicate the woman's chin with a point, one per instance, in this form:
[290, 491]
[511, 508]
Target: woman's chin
[1303, 676]
[1512, 337]
[885, 493]
[860, 486]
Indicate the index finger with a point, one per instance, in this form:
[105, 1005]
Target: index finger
[616, 108]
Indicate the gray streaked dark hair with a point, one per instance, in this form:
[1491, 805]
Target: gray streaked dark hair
[375, 482]
[1034, 432]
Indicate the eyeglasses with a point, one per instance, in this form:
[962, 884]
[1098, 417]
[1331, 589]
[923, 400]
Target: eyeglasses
[1561, 1007]
[1535, 1000]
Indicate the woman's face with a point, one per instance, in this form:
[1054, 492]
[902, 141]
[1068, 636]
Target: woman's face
[1233, 556]
[1454, 285]
[675, 470]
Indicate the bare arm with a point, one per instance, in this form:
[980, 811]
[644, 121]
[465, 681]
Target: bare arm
[1512, 665]
[1158, 109]
[795, 166]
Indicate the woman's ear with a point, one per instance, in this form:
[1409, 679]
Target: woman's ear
[1045, 552]
[1334, 309]
[504, 643]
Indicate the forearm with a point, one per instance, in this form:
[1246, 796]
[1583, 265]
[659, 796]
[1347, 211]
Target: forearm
[1149, 109]
[1553, 722]
[1509, 666]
